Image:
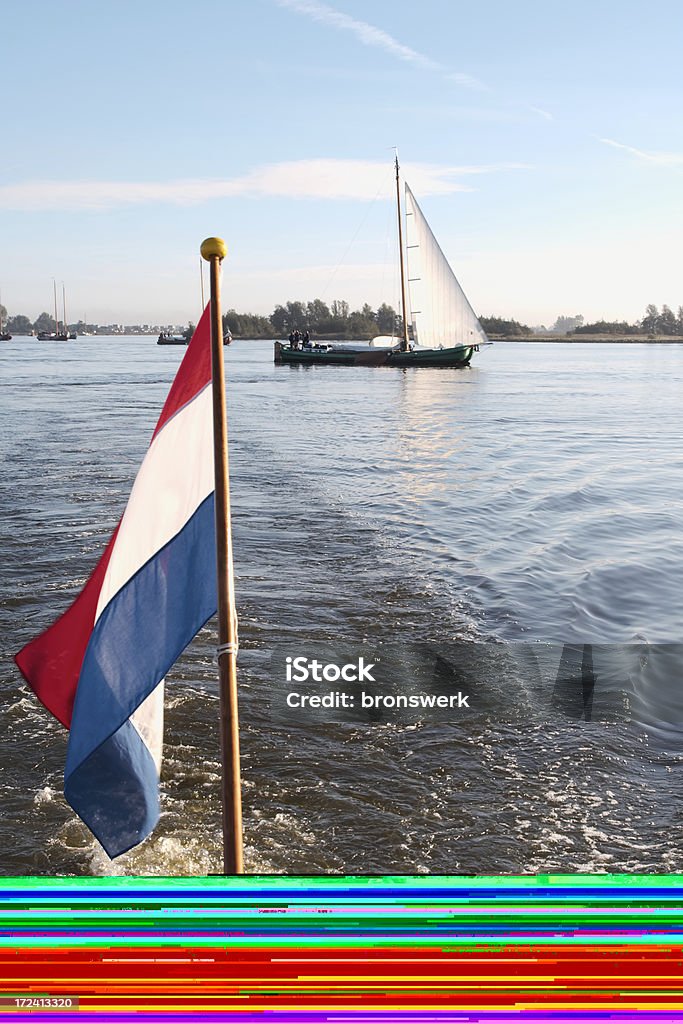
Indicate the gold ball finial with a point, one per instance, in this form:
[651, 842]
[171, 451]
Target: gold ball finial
[213, 247]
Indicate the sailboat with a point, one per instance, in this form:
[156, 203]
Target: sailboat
[57, 334]
[4, 335]
[444, 329]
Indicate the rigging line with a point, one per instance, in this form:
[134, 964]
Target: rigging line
[349, 246]
[201, 283]
[390, 272]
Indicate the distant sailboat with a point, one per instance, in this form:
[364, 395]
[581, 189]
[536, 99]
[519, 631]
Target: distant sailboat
[58, 334]
[445, 329]
[4, 335]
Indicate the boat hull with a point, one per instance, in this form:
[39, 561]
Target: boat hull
[339, 355]
[336, 355]
[460, 355]
[172, 339]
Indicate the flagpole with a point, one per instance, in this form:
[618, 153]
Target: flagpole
[213, 250]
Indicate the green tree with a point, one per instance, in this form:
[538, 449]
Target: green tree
[19, 324]
[44, 323]
[608, 327]
[361, 323]
[667, 321]
[248, 325]
[650, 321]
[565, 324]
[230, 321]
[387, 320]
[340, 309]
[506, 328]
[317, 312]
[296, 315]
[279, 318]
[3, 315]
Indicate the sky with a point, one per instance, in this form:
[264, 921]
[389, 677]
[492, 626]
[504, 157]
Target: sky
[543, 140]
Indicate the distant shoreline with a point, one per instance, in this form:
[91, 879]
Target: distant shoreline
[602, 339]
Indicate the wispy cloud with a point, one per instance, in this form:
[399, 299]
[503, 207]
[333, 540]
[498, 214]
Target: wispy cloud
[366, 33]
[370, 35]
[545, 114]
[663, 159]
[300, 179]
[467, 81]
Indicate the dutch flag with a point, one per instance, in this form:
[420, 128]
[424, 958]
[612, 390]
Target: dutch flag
[100, 667]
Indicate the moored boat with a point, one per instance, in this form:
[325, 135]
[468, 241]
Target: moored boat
[166, 338]
[4, 335]
[440, 328]
[61, 332]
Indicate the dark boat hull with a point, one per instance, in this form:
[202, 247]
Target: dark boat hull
[171, 339]
[336, 355]
[460, 355]
[47, 336]
[340, 355]
[5, 337]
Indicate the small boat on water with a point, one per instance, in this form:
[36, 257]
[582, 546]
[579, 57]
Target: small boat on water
[4, 335]
[166, 338]
[62, 332]
[444, 329]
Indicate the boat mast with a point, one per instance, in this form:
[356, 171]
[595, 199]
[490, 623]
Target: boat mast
[404, 342]
[66, 329]
[54, 288]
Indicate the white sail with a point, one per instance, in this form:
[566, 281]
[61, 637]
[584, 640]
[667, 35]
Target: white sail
[439, 311]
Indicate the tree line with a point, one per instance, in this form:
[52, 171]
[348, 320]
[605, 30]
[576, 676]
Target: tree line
[655, 321]
[506, 328]
[21, 324]
[336, 320]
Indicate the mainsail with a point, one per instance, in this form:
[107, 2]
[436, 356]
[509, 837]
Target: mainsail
[440, 313]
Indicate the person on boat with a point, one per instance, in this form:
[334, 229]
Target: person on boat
[291, 339]
[307, 340]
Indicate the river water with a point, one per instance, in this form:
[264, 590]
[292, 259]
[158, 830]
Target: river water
[512, 533]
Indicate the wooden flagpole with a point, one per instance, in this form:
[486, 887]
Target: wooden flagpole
[213, 251]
